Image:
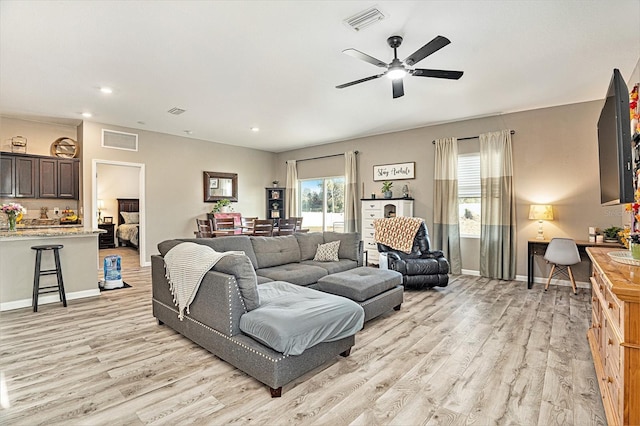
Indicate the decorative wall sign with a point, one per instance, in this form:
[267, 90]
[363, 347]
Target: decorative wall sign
[397, 171]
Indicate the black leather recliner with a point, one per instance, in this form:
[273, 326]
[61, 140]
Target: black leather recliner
[421, 268]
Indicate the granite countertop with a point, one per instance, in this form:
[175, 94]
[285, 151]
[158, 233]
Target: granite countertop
[59, 231]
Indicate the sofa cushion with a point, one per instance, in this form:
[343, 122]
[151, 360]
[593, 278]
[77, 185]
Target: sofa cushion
[327, 252]
[308, 242]
[274, 251]
[165, 246]
[262, 280]
[240, 267]
[349, 243]
[232, 243]
[292, 319]
[333, 267]
[295, 273]
[360, 284]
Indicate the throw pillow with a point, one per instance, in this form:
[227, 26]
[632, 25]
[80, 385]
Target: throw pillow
[327, 252]
[130, 217]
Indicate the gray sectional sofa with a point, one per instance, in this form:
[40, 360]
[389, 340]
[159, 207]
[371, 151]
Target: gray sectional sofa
[214, 316]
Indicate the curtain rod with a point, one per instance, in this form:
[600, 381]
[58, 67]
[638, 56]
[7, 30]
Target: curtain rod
[323, 156]
[513, 132]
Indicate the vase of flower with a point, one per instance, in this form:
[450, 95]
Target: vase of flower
[12, 210]
[12, 221]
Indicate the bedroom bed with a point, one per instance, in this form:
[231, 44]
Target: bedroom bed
[128, 222]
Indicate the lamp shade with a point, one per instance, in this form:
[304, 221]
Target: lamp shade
[541, 212]
[100, 204]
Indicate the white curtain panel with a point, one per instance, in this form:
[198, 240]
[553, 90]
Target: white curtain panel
[446, 227]
[292, 189]
[350, 192]
[498, 217]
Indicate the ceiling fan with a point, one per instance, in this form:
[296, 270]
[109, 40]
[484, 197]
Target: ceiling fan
[396, 70]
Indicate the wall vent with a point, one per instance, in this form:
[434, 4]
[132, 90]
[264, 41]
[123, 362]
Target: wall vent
[119, 140]
[364, 18]
[176, 111]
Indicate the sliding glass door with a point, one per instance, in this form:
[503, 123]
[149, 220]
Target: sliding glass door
[322, 204]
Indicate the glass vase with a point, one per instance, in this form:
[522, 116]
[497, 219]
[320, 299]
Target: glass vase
[12, 222]
[635, 250]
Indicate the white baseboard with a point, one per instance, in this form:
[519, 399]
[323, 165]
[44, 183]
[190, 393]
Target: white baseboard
[51, 298]
[536, 280]
[554, 281]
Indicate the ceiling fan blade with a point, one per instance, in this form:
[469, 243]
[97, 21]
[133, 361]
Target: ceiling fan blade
[433, 46]
[363, 56]
[398, 88]
[452, 75]
[362, 80]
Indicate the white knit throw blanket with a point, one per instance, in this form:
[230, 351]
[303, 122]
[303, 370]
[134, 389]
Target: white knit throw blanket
[185, 266]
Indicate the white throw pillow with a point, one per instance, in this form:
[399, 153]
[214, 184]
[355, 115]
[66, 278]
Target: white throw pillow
[327, 252]
[130, 217]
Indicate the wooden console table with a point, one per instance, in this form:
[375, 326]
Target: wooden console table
[538, 247]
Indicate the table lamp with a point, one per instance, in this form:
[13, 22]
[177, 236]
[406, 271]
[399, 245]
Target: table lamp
[540, 212]
[100, 207]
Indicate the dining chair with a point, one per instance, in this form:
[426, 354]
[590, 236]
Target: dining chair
[286, 226]
[263, 227]
[222, 223]
[204, 228]
[562, 253]
[298, 223]
[248, 224]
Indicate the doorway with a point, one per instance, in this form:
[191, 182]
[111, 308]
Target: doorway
[120, 180]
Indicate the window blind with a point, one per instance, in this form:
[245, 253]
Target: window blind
[469, 175]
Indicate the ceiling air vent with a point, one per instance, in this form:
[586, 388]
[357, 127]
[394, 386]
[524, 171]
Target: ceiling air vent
[364, 18]
[176, 111]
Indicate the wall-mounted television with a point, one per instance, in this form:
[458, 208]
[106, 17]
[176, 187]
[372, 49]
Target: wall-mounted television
[614, 145]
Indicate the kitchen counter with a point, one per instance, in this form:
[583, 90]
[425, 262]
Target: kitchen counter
[55, 231]
[79, 260]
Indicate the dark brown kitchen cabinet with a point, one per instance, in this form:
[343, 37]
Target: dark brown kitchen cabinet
[7, 176]
[68, 179]
[48, 178]
[33, 176]
[18, 176]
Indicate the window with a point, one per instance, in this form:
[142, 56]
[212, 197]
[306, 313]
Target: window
[469, 195]
[322, 203]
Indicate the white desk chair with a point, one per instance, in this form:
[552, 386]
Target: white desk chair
[562, 253]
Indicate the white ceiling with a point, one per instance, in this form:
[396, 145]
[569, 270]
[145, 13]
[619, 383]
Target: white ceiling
[275, 64]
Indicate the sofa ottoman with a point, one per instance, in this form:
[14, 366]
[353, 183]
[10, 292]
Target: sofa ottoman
[376, 290]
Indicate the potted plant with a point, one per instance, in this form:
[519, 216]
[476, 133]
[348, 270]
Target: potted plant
[611, 233]
[275, 183]
[221, 206]
[386, 189]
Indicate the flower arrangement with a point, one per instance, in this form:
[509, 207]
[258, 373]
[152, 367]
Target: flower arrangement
[12, 210]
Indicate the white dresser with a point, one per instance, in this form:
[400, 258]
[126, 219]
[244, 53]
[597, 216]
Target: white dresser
[378, 208]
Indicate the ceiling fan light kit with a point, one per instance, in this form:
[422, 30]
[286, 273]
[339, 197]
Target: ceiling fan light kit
[396, 70]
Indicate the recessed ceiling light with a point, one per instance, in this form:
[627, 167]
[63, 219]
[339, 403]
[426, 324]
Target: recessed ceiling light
[107, 90]
[255, 129]
[87, 114]
[141, 122]
[189, 132]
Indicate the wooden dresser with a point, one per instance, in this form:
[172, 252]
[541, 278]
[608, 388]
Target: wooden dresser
[614, 336]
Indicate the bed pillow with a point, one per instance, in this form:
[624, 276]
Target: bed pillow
[131, 217]
[327, 252]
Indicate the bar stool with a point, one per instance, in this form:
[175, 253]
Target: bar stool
[38, 273]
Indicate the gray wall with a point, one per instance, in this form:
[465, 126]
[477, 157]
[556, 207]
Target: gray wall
[555, 161]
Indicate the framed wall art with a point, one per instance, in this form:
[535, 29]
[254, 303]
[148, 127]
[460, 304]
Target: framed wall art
[398, 171]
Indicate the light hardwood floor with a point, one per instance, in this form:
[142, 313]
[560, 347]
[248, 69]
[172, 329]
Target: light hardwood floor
[477, 352]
